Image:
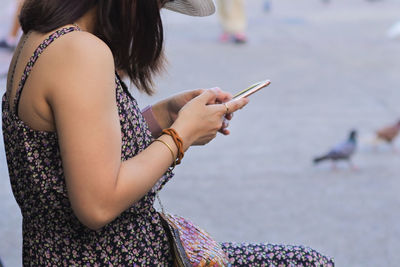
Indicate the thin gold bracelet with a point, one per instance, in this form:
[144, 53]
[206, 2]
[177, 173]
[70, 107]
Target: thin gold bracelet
[178, 142]
[170, 149]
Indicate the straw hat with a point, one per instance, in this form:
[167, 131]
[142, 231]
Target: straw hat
[199, 8]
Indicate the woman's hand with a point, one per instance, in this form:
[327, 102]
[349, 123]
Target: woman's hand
[166, 111]
[176, 102]
[202, 117]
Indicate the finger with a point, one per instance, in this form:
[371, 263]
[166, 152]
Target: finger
[216, 89]
[223, 96]
[197, 92]
[225, 124]
[218, 109]
[224, 131]
[235, 105]
[208, 96]
[229, 116]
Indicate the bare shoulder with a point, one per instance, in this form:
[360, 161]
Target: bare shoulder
[80, 58]
[80, 41]
[81, 73]
[84, 47]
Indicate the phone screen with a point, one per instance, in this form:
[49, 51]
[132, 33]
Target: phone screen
[251, 90]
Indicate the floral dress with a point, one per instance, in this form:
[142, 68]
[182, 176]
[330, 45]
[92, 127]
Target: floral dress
[52, 234]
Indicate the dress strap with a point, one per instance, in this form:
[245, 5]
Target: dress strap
[34, 58]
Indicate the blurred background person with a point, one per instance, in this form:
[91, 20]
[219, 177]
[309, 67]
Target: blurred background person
[233, 21]
[10, 41]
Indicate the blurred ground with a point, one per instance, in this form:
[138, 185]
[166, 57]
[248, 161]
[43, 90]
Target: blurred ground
[333, 69]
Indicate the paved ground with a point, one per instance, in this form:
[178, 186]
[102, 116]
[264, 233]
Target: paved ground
[333, 69]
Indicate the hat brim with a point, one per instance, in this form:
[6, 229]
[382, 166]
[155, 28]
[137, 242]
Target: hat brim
[198, 8]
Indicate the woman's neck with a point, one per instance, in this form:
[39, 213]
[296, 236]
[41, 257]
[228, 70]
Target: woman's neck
[88, 21]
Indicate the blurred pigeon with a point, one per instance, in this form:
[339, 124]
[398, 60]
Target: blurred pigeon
[388, 133]
[342, 151]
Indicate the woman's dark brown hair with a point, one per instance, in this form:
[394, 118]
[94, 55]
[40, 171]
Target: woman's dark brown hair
[131, 28]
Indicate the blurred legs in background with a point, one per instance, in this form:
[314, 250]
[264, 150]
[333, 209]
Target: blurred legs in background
[233, 20]
[11, 40]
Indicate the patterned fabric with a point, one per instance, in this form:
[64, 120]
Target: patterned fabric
[53, 236]
[262, 255]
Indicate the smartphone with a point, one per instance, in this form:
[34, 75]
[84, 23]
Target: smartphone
[251, 90]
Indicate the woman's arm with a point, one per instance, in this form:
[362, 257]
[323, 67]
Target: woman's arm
[81, 93]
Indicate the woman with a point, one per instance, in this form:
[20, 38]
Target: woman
[84, 165]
